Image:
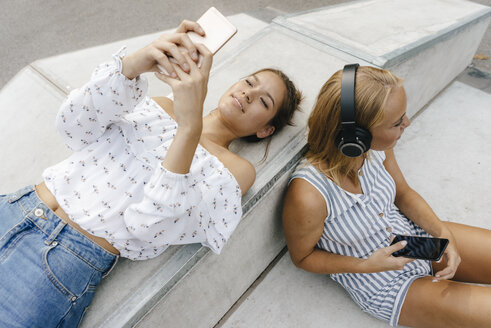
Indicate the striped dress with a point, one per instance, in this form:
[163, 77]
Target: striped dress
[359, 224]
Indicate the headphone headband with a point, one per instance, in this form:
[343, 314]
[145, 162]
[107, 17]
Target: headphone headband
[348, 83]
[352, 140]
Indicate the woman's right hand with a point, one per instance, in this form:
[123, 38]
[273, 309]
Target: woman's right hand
[189, 94]
[383, 260]
[149, 58]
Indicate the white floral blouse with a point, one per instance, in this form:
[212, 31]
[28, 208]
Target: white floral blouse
[114, 185]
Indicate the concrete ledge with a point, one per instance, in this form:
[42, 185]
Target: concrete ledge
[28, 105]
[385, 32]
[71, 70]
[426, 42]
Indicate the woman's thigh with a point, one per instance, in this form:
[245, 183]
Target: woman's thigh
[474, 246]
[446, 304]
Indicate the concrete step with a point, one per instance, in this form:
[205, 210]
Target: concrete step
[71, 70]
[427, 43]
[442, 157]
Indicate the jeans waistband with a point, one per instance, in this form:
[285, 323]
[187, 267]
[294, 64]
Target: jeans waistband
[56, 230]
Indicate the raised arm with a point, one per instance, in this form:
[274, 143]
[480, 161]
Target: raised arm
[189, 85]
[189, 94]
[88, 111]
[303, 221]
[417, 210]
[116, 87]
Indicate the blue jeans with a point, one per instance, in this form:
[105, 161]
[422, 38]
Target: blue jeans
[48, 270]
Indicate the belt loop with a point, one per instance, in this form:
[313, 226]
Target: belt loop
[20, 193]
[111, 268]
[55, 233]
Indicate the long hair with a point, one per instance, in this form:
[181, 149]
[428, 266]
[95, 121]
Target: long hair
[372, 90]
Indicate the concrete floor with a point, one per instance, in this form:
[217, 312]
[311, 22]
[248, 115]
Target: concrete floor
[33, 29]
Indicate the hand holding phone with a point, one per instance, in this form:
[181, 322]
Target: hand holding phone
[218, 30]
[424, 248]
[159, 54]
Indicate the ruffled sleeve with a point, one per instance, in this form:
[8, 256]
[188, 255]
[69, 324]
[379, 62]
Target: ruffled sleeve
[203, 206]
[224, 210]
[88, 111]
[167, 209]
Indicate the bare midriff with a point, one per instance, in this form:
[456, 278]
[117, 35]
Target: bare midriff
[47, 197]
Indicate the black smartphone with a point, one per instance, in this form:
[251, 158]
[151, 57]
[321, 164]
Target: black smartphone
[425, 248]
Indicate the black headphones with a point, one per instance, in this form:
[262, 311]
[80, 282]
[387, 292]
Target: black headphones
[352, 140]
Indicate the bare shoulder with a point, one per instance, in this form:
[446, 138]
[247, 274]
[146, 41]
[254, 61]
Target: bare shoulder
[304, 212]
[166, 104]
[242, 170]
[304, 204]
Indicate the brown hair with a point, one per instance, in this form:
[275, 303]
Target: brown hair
[372, 90]
[285, 112]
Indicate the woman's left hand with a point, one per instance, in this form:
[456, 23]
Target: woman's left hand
[190, 90]
[156, 55]
[453, 261]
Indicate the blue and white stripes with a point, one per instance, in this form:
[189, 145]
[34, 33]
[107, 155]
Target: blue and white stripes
[359, 224]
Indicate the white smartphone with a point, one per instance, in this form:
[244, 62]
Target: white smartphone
[218, 30]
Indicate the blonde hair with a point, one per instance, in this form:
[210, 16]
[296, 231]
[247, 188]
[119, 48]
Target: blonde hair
[372, 90]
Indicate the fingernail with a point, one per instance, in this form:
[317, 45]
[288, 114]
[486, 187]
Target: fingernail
[174, 75]
[185, 66]
[435, 280]
[201, 30]
[437, 275]
[404, 243]
[194, 55]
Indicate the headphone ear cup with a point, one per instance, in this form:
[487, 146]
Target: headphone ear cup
[354, 142]
[364, 137]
